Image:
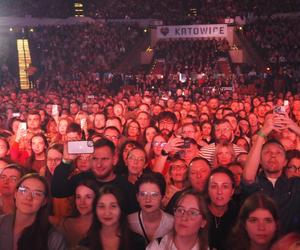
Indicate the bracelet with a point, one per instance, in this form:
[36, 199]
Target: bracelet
[164, 152]
[262, 134]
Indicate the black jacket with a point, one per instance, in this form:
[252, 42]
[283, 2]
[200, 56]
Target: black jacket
[286, 194]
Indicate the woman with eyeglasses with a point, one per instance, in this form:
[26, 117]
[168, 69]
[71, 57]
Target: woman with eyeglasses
[190, 225]
[9, 178]
[149, 134]
[292, 168]
[132, 130]
[158, 143]
[109, 229]
[161, 151]
[136, 163]
[177, 179]
[121, 168]
[53, 158]
[222, 209]
[150, 222]
[28, 227]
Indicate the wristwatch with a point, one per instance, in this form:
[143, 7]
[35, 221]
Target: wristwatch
[164, 152]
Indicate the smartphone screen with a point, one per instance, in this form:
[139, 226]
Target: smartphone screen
[80, 147]
[82, 123]
[54, 109]
[23, 126]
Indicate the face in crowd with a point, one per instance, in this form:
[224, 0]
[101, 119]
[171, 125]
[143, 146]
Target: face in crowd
[189, 217]
[273, 159]
[54, 158]
[166, 126]
[30, 196]
[33, 121]
[293, 168]
[149, 197]
[178, 171]
[103, 162]
[136, 161]
[198, 173]
[84, 198]
[9, 178]
[261, 227]
[223, 132]
[220, 189]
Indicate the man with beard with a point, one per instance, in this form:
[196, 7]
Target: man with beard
[102, 164]
[99, 122]
[223, 134]
[272, 181]
[166, 123]
[213, 105]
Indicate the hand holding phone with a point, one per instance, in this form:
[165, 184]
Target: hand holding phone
[21, 132]
[80, 147]
[83, 123]
[279, 110]
[54, 110]
[280, 121]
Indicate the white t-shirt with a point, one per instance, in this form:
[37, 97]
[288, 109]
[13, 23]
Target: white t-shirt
[165, 226]
[167, 243]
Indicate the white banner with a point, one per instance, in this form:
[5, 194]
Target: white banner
[192, 31]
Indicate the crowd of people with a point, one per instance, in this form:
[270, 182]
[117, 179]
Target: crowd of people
[167, 171]
[80, 52]
[277, 39]
[191, 56]
[170, 11]
[165, 164]
[37, 8]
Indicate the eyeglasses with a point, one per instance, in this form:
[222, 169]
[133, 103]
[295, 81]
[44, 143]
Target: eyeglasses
[294, 168]
[133, 127]
[112, 137]
[188, 132]
[152, 195]
[35, 194]
[166, 123]
[10, 179]
[132, 158]
[219, 130]
[55, 160]
[158, 144]
[178, 167]
[191, 213]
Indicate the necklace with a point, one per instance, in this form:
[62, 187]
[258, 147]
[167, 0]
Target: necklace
[217, 221]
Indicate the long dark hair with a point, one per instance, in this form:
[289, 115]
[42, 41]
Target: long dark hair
[35, 236]
[93, 238]
[218, 170]
[239, 239]
[32, 157]
[89, 183]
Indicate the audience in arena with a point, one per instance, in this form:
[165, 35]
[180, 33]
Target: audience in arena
[92, 158]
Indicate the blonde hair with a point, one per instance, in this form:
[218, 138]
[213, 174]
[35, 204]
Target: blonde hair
[229, 146]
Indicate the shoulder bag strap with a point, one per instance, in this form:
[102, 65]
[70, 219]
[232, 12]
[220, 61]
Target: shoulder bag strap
[142, 226]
